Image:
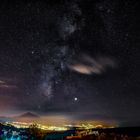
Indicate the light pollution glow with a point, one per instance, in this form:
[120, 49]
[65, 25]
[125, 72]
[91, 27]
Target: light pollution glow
[59, 120]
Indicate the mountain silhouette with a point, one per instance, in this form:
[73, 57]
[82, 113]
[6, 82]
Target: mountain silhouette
[28, 115]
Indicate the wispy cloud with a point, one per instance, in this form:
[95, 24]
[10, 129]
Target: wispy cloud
[7, 84]
[89, 65]
[2, 82]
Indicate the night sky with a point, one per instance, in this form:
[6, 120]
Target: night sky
[78, 57]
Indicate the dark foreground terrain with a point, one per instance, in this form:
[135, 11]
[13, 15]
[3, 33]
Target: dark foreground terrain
[8, 132]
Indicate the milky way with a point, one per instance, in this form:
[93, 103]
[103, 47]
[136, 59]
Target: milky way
[78, 57]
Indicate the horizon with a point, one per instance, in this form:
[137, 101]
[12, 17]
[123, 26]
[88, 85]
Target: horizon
[59, 119]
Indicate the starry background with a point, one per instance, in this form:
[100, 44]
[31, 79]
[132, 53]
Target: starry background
[79, 57]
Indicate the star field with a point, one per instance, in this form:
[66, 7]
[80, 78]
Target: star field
[79, 57]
